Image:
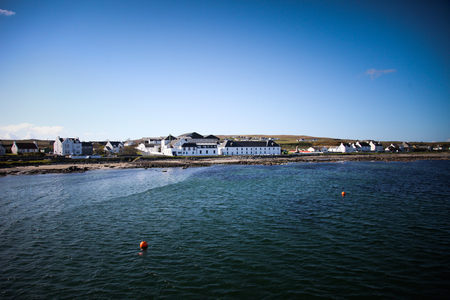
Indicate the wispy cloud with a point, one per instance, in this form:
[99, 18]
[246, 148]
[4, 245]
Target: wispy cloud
[6, 12]
[374, 73]
[27, 131]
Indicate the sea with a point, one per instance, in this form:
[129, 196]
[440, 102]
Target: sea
[229, 232]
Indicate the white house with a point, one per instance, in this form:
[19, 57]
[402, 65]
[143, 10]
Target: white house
[345, 148]
[407, 147]
[333, 149]
[190, 144]
[320, 149]
[376, 146]
[394, 148]
[67, 146]
[361, 146]
[249, 148]
[150, 146]
[114, 147]
[24, 147]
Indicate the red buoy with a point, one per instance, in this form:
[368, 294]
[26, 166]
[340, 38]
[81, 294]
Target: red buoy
[144, 245]
[343, 193]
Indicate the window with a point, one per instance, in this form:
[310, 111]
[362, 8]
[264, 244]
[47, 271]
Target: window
[206, 151]
[200, 151]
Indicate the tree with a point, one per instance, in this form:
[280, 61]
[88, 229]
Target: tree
[130, 150]
[100, 150]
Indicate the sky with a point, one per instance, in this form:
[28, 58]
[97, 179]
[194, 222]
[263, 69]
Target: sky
[117, 70]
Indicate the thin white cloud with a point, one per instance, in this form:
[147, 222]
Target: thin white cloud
[6, 12]
[88, 133]
[47, 130]
[374, 73]
[30, 136]
[29, 131]
[9, 136]
[16, 128]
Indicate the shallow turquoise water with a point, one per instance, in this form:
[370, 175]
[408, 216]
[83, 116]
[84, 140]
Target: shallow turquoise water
[229, 232]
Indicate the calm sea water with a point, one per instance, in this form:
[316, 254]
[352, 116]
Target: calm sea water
[229, 232]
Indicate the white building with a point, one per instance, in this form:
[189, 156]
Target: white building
[394, 148]
[150, 146]
[345, 148]
[190, 144]
[24, 147]
[67, 146]
[333, 149]
[319, 149]
[376, 146]
[361, 147]
[114, 147]
[249, 148]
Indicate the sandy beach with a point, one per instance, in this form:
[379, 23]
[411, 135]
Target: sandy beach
[75, 166]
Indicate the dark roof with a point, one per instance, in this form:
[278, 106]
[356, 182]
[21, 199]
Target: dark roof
[189, 145]
[26, 146]
[86, 144]
[364, 144]
[250, 144]
[192, 135]
[170, 137]
[75, 140]
[115, 144]
[211, 137]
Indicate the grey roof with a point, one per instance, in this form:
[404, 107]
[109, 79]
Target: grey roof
[211, 137]
[249, 144]
[115, 144]
[192, 135]
[86, 144]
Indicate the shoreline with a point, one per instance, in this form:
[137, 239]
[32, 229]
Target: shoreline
[80, 167]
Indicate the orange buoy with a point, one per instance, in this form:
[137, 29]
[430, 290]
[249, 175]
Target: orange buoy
[343, 193]
[144, 245]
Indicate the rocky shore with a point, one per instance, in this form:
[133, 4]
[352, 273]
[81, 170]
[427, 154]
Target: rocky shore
[79, 167]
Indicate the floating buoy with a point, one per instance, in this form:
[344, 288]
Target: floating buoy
[144, 245]
[343, 193]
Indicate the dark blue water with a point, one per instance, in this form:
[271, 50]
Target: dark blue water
[229, 232]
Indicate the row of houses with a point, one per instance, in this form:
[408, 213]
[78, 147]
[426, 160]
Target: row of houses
[194, 144]
[73, 146]
[370, 146]
[20, 148]
[64, 146]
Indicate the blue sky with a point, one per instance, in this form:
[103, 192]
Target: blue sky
[128, 69]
